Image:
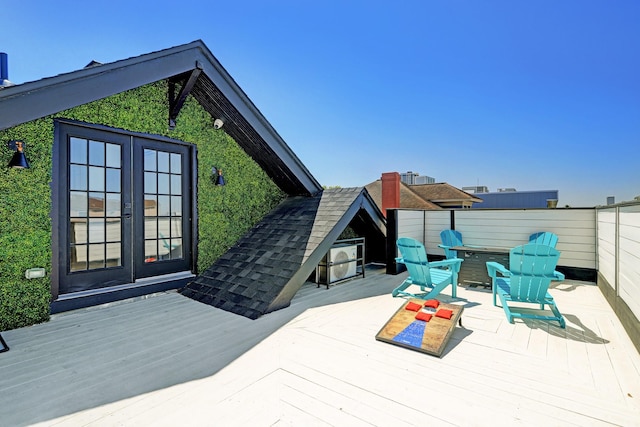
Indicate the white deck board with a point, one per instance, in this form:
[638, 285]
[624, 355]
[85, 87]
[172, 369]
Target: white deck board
[167, 360]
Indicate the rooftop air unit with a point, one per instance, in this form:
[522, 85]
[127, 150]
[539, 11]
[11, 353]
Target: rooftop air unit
[341, 262]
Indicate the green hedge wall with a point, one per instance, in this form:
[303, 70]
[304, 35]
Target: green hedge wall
[25, 226]
[225, 213]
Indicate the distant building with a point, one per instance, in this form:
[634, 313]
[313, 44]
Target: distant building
[512, 199]
[414, 178]
[476, 189]
[611, 200]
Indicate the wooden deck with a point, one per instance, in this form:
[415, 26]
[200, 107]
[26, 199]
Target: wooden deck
[166, 360]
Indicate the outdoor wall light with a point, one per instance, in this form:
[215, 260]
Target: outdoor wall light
[19, 160]
[216, 176]
[34, 273]
[218, 123]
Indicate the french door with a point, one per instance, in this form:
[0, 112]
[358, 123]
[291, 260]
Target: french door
[122, 207]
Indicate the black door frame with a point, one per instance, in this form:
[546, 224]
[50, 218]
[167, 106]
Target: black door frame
[59, 209]
[142, 268]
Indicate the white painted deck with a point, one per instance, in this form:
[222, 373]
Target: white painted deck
[169, 361]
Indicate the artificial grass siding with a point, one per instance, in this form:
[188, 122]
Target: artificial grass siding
[225, 213]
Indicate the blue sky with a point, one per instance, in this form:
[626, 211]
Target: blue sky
[535, 95]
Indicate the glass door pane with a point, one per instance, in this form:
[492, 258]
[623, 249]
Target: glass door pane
[161, 184]
[93, 227]
[162, 224]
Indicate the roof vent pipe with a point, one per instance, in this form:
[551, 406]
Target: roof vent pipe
[4, 73]
[4, 70]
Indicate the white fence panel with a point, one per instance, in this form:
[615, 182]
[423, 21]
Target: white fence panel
[575, 229]
[629, 257]
[607, 245]
[411, 224]
[436, 222]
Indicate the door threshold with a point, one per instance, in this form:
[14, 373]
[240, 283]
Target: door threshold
[145, 286]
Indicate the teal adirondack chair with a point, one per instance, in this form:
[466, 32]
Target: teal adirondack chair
[549, 239]
[531, 270]
[450, 238]
[430, 277]
[544, 238]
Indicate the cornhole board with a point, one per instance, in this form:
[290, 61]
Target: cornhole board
[404, 330]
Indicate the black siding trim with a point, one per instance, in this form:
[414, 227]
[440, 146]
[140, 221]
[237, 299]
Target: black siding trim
[392, 236]
[60, 306]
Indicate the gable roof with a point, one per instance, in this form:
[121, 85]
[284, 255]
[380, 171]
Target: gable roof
[408, 198]
[425, 196]
[269, 264]
[190, 63]
[442, 192]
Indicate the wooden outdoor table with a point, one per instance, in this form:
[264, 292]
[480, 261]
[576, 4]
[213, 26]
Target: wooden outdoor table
[404, 330]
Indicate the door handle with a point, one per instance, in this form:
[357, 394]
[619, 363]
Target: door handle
[127, 211]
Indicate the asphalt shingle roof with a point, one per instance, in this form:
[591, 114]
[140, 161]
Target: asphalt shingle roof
[408, 199]
[267, 266]
[422, 196]
[442, 191]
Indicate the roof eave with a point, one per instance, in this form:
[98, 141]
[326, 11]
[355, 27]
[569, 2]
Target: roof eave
[33, 100]
[455, 200]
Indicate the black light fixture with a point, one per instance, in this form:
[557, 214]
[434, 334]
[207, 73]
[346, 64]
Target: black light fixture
[19, 160]
[216, 175]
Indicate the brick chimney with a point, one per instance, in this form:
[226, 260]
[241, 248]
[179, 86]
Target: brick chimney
[390, 191]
